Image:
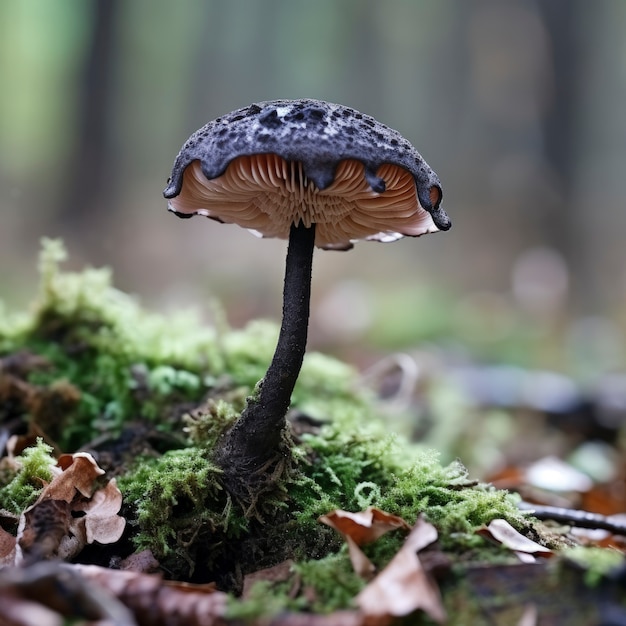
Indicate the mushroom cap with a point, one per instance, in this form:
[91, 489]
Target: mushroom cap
[272, 164]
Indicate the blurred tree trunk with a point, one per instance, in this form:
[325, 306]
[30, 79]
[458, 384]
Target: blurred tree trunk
[561, 136]
[365, 66]
[89, 166]
[230, 54]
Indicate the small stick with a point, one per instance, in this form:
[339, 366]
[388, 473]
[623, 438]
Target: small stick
[575, 517]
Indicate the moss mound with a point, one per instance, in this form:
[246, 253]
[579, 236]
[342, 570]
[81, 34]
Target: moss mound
[148, 396]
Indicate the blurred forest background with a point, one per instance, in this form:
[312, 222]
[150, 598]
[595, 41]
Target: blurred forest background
[517, 105]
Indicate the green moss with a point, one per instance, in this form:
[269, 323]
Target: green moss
[264, 600]
[129, 365]
[333, 580]
[127, 362]
[598, 563]
[352, 469]
[179, 509]
[209, 421]
[21, 484]
[247, 352]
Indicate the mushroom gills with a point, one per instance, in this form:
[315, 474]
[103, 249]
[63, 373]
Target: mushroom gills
[267, 194]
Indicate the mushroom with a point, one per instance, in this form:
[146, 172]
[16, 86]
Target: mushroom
[317, 174]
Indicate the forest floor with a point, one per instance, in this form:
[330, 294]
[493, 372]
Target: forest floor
[112, 510]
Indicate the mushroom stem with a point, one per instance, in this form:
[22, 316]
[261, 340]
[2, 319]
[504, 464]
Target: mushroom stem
[249, 451]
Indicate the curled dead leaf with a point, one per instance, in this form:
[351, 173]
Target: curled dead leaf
[404, 586]
[19, 612]
[78, 473]
[365, 526]
[155, 601]
[142, 562]
[500, 531]
[101, 522]
[361, 528]
[47, 593]
[278, 573]
[7, 548]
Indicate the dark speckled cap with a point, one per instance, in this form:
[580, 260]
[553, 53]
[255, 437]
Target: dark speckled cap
[318, 135]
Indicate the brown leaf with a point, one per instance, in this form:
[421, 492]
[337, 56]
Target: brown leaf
[19, 612]
[404, 586]
[7, 548]
[49, 527]
[79, 473]
[276, 574]
[90, 592]
[101, 521]
[55, 590]
[155, 601]
[42, 528]
[501, 531]
[142, 562]
[360, 563]
[361, 528]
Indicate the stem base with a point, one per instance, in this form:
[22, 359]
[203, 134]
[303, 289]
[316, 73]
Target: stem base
[255, 452]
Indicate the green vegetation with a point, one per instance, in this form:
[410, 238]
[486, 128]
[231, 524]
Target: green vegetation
[132, 372]
[179, 508]
[22, 480]
[598, 563]
[125, 361]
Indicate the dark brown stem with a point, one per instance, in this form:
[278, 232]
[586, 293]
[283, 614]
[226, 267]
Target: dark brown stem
[575, 517]
[250, 451]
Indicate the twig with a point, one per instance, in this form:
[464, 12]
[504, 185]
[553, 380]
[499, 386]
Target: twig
[575, 517]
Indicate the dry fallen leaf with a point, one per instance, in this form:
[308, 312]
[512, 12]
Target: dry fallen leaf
[502, 532]
[404, 586]
[19, 612]
[142, 562]
[156, 601]
[51, 525]
[54, 591]
[78, 473]
[42, 527]
[7, 548]
[361, 528]
[275, 574]
[101, 521]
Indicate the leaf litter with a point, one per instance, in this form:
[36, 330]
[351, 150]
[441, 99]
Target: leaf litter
[404, 586]
[362, 528]
[71, 512]
[500, 531]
